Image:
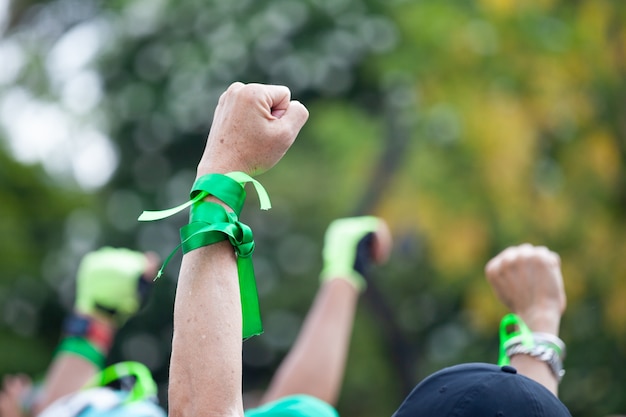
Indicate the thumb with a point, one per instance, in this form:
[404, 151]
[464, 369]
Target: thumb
[295, 116]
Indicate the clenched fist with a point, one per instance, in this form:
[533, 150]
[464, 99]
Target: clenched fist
[253, 127]
[527, 279]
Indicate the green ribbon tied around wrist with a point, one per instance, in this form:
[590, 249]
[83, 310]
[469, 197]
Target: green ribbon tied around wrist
[512, 326]
[210, 223]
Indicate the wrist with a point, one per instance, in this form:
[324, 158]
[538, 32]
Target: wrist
[213, 199]
[88, 337]
[545, 321]
[350, 276]
[81, 324]
[217, 220]
[517, 338]
[218, 167]
[210, 169]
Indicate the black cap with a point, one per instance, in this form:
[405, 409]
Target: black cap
[478, 390]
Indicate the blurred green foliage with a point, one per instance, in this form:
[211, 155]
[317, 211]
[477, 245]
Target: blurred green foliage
[469, 126]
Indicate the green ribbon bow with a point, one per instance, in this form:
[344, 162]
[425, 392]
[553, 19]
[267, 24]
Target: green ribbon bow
[210, 223]
[512, 326]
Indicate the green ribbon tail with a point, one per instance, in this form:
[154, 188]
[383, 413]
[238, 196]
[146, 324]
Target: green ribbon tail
[148, 216]
[242, 178]
[250, 310]
[210, 223]
[167, 260]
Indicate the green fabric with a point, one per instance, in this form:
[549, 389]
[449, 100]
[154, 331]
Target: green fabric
[143, 388]
[243, 178]
[224, 187]
[81, 347]
[109, 278]
[518, 328]
[210, 223]
[294, 406]
[340, 247]
[150, 216]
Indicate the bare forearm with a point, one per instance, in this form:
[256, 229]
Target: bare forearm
[80, 355]
[253, 126]
[206, 348]
[68, 373]
[315, 365]
[531, 367]
[537, 370]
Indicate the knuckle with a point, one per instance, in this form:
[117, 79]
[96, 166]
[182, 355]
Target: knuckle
[492, 269]
[231, 90]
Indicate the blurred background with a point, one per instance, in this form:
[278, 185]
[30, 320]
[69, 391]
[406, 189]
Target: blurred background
[468, 125]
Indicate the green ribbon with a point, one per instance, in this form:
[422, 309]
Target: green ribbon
[143, 388]
[226, 187]
[83, 348]
[513, 326]
[210, 223]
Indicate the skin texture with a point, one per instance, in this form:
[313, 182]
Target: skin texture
[254, 125]
[312, 367]
[527, 280]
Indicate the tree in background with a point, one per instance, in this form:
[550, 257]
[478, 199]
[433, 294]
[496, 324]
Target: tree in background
[469, 126]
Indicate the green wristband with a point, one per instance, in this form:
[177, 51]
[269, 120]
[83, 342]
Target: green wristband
[511, 327]
[81, 347]
[220, 186]
[210, 223]
[223, 187]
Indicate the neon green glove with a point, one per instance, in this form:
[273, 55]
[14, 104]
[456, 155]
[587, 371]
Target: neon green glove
[109, 282]
[342, 249]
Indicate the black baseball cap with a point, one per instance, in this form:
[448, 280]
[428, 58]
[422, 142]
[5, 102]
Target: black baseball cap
[480, 390]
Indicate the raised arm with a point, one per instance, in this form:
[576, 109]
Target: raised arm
[253, 126]
[111, 283]
[527, 280]
[315, 365]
